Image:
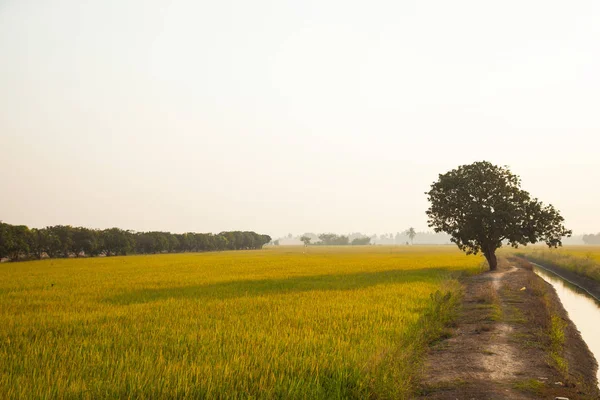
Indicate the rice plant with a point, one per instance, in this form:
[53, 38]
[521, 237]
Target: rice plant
[320, 323]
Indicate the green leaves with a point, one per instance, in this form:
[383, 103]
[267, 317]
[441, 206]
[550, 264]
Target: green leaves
[20, 242]
[482, 205]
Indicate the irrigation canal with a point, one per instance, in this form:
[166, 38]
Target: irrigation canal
[583, 308]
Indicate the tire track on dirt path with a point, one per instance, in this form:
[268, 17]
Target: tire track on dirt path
[501, 359]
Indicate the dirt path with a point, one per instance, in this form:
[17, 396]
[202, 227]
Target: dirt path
[498, 350]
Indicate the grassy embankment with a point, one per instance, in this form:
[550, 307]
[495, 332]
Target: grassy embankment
[538, 307]
[565, 351]
[276, 323]
[582, 260]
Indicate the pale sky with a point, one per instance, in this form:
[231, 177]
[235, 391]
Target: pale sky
[290, 116]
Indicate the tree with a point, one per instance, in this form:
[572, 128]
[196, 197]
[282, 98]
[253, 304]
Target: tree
[145, 243]
[591, 239]
[264, 239]
[18, 246]
[411, 233]
[173, 243]
[331, 239]
[305, 240]
[85, 241]
[362, 241]
[62, 239]
[116, 241]
[248, 240]
[218, 242]
[37, 241]
[6, 240]
[327, 238]
[482, 205]
[49, 242]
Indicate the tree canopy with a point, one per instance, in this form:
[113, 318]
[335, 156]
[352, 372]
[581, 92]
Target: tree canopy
[591, 239]
[331, 239]
[481, 206]
[19, 242]
[362, 241]
[306, 240]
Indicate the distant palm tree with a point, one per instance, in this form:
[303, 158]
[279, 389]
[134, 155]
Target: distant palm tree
[411, 234]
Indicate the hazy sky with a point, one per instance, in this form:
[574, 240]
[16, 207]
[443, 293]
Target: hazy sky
[290, 116]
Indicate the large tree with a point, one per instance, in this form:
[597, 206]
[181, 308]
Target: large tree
[482, 205]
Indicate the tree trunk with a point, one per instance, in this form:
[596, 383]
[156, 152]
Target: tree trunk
[490, 256]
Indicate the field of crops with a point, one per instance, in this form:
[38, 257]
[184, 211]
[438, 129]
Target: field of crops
[344, 322]
[591, 252]
[584, 260]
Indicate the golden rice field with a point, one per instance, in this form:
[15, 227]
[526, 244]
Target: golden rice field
[592, 252]
[584, 260]
[276, 323]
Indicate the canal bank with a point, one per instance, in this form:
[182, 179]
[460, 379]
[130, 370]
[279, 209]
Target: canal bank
[502, 344]
[582, 307]
[589, 285]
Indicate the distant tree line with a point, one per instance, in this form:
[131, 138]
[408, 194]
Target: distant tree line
[331, 239]
[363, 241]
[591, 239]
[408, 236]
[18, 242]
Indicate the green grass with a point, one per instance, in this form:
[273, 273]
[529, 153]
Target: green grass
[275, 323]
[557, 344]
[532, 386]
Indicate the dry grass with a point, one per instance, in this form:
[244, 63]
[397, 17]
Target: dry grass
[583, 260]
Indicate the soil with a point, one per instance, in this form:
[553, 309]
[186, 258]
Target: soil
[499, 346]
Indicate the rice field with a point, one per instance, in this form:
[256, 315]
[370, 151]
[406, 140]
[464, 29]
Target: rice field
[345, 322]
[584, 260]
[591, 252]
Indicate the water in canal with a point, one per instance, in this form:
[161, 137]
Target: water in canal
[583, 309]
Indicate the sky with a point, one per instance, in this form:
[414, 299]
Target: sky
[290, 116]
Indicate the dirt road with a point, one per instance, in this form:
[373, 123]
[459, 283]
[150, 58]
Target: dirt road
[500, 346]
